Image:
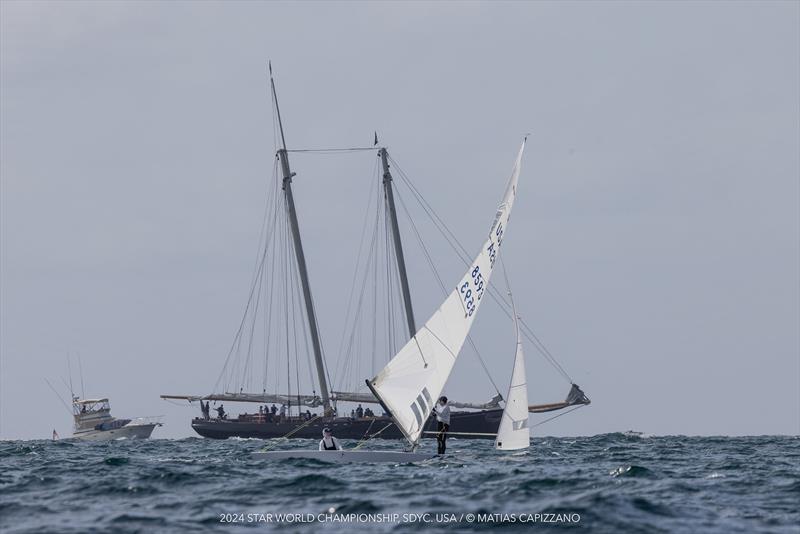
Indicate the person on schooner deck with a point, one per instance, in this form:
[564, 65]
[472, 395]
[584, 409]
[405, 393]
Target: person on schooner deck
[221, 412]
[359, 412]
[442, 423]
[328, 442]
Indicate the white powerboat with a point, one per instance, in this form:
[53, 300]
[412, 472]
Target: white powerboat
[94, 422]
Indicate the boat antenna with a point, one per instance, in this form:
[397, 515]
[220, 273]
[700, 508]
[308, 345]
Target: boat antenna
[69, 370]
[58, 395]
[80, 369]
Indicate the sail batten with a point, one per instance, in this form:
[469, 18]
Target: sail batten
[409, 384]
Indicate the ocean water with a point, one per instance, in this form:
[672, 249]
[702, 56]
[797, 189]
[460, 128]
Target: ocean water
[607, 483]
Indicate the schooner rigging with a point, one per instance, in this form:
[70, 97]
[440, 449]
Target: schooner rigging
[300, 308]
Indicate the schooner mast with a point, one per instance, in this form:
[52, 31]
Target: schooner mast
[398, 245]
[301, 258]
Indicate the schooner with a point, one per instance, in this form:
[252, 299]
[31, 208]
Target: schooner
[394, 414]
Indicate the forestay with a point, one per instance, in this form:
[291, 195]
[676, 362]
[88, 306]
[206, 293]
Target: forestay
[513, 432]
[411, 382]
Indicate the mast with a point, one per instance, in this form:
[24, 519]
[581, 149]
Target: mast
[301, 258]
[398, 245]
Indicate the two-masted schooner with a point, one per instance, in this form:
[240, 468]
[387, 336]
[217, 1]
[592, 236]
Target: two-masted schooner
[294, 419]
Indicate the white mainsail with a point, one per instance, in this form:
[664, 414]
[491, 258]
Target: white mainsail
[513, 432]
[411, 382]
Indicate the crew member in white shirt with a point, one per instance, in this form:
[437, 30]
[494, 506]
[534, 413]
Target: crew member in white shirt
[442, 412]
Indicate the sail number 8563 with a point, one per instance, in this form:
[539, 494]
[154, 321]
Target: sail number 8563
[471, 297]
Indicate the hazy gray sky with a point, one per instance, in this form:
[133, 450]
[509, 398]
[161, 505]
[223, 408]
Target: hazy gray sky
[655, 243]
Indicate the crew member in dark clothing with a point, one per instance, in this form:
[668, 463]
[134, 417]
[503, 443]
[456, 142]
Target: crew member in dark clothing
[221, 412]
[359, 412]
[328, 442]
[442, 412]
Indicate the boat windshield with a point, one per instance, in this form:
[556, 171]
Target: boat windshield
[84, 406]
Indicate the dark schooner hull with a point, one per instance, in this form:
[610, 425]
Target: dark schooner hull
[474, 425]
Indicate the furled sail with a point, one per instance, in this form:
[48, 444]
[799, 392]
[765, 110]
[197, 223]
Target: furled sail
[513, 432]
[412, 381]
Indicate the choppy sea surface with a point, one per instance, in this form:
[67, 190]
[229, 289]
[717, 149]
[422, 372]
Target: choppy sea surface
[619, 482]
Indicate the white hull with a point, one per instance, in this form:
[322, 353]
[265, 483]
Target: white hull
[127, 431]
[345, 456]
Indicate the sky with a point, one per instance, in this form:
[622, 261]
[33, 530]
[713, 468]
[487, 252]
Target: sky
[654, 245]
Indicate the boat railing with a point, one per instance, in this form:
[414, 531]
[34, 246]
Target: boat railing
[146, 420]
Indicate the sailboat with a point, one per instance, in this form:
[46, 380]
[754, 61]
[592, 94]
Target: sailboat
[403, 417]
[513, 433]
[409, 383]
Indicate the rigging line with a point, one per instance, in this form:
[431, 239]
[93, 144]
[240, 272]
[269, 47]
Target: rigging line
[358, 256]
[261, 274]
[322, 349]
[392, 282]
[345, 354]
[306, 334]
[559, 415]
[427, 254]
[428, 207]
[59, 396]
[527, 331]
[69, 370]
[274, 120]
[258, 277]
[363, 441]
[80, 370]
[359, 306]
[288, 278]
[295, 307]
[249, 355]
[394, 287]
[462, 253]
[268, 315]
[237, 336]
[442, 286]
[293, 318]
[385, 284]
[444, 291]
[324, 150]
[285, 437]
[268, 304]
[374, 289]
[281, 251]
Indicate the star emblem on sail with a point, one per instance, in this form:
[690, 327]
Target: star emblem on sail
[409, 384]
